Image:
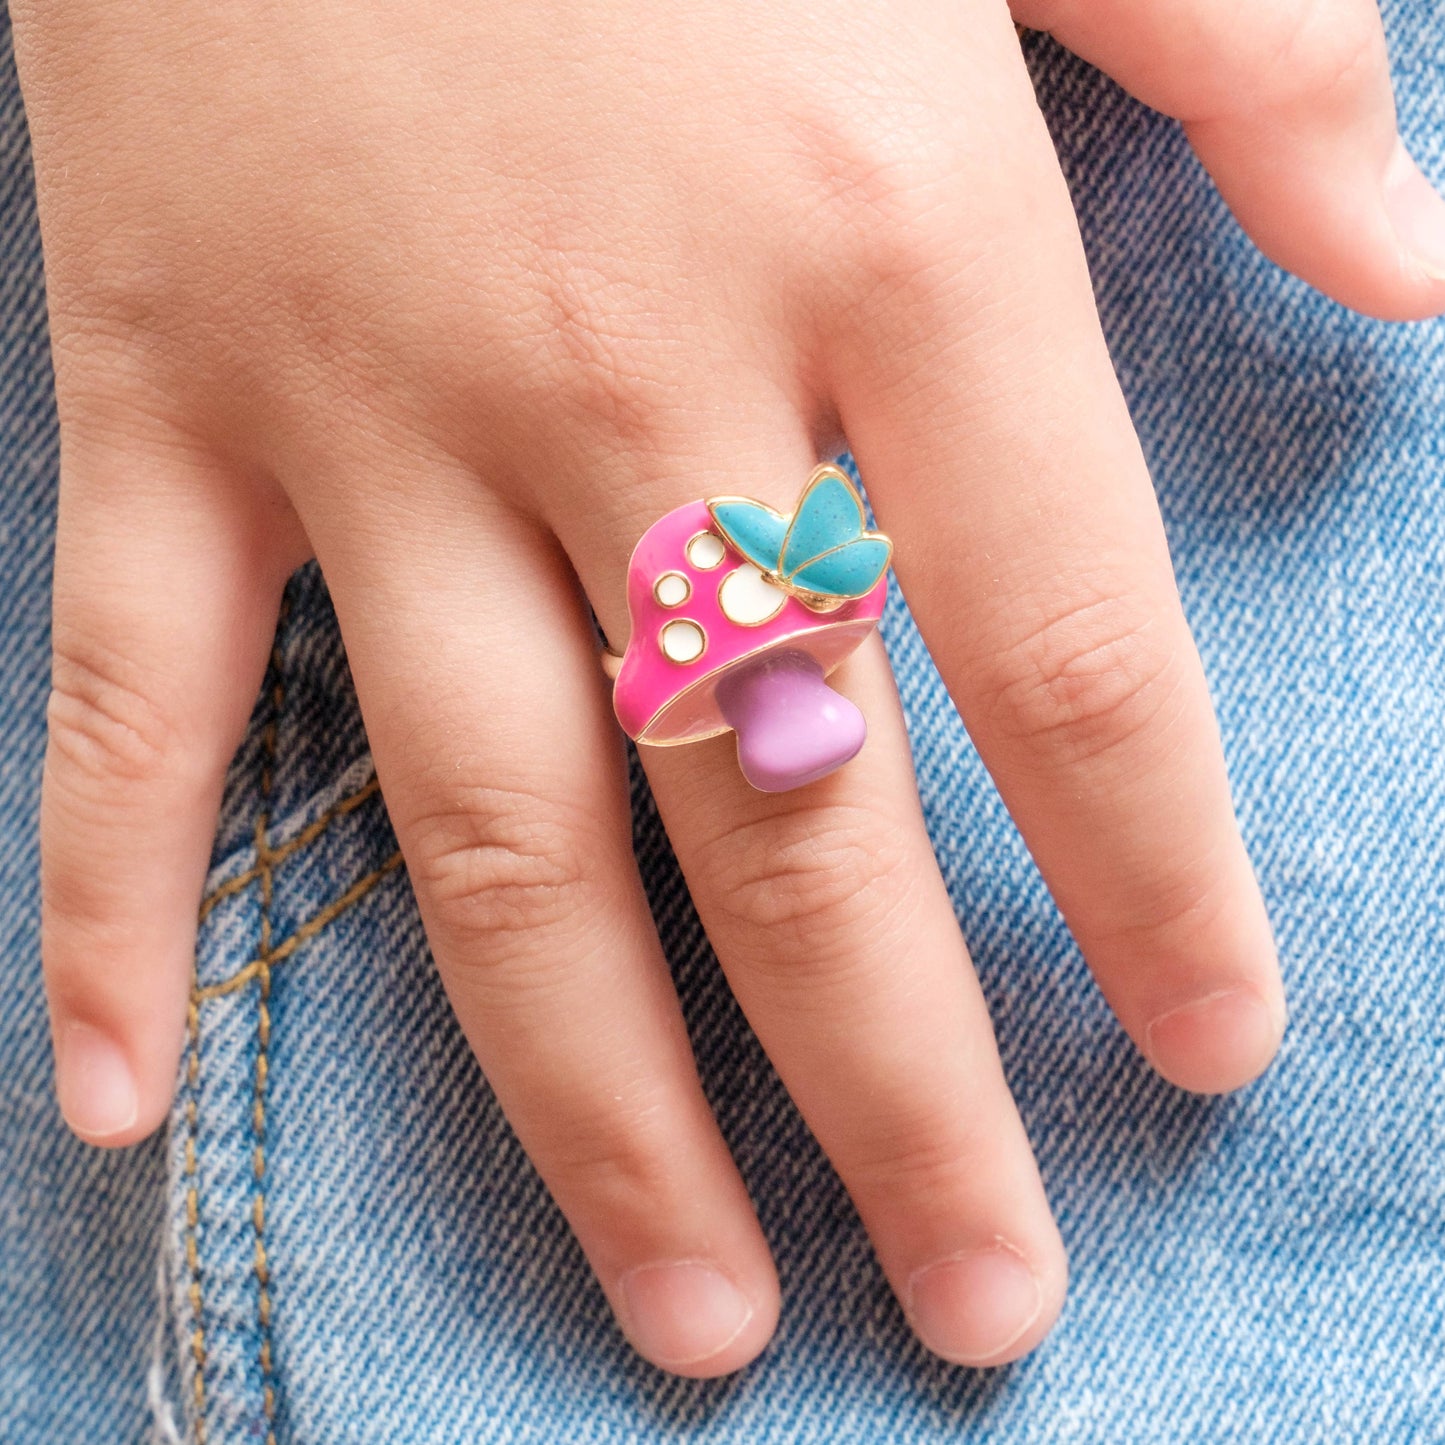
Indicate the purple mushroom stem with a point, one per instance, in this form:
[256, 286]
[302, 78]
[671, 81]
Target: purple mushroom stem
[792, 727]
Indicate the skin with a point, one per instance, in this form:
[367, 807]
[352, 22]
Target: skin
[459, 299]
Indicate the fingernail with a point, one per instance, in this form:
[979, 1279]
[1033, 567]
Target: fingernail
[93, 1083]
[1417, 212]
[970, 1308]
[684, 1312]
[1214, 1043]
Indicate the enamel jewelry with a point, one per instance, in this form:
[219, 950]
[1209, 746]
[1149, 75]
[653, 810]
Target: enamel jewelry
[738, 613]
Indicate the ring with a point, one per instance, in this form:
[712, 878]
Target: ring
[738, 613]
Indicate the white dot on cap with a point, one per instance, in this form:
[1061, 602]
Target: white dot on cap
[672, 589]
[682, 641]
[748, 598]
[705, 551]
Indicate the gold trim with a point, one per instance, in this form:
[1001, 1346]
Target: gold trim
[681, 577]
[712, 502]
[762, 621]
[682, 622]
[814, 601]
[681, 742]
[697, 536]
[641, 735]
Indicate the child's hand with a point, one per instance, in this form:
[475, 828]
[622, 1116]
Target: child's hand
[463, 297]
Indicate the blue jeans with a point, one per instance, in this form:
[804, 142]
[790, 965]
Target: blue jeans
[339, 1240]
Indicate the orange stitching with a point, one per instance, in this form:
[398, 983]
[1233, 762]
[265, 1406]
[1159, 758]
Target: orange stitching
[260, 969]
[193, 1214]
[264, 862]
[307, 931]
[306, 836]
[258, 1206]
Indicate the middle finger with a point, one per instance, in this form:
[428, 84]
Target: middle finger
[830, 918]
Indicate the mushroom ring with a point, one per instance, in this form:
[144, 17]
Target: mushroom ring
[738, 612]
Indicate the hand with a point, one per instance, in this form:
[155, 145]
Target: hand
[460, 299]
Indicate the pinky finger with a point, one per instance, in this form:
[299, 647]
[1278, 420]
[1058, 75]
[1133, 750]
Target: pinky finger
[165, 599]
[1289, 106]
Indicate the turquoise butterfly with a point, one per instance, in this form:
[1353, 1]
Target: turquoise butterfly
[823, 554]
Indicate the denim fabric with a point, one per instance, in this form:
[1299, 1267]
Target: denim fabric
[340, 1240]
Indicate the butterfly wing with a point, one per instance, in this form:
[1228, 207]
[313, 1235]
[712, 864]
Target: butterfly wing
[851, 570]
[752, 529]
[829, 514]
[822, 550]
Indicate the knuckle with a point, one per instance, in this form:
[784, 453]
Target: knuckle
[1165, 913]
[624, 1164]
[1088, 680]
[129, 325]
[603, 352]
[116, 394]
[819, 884]
[888, 186]
[103, 722]
[1319, 47]
[922, 1157]
[86, 918]
[501, 864]
[114, 286]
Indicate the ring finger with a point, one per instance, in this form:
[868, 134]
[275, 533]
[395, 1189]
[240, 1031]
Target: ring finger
[489, 724]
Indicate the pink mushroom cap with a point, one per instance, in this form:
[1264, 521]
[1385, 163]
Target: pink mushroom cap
[660, 698]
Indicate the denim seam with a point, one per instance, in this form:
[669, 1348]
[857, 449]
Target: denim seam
[307, 931]
[262, 872]
[193, 1214]
[264, 865]
[308, 835]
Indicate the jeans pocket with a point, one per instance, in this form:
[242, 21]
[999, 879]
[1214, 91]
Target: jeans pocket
[292, 860]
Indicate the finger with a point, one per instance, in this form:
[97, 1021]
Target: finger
[478, 677]
[828, 913]
[167, 583]
[1291, 110]
[988, 424]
